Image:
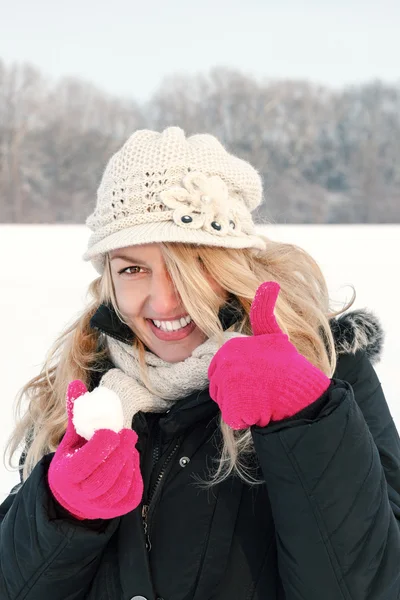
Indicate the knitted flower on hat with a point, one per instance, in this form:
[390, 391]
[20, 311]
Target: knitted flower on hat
[164, 187]
[205, 203]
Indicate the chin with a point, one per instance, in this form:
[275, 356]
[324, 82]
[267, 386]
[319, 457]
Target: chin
[174, 355]
[172, 351]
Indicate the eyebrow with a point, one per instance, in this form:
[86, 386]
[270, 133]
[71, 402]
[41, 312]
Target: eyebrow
[126, 258]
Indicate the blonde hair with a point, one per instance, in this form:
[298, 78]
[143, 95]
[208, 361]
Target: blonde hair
[302, 311]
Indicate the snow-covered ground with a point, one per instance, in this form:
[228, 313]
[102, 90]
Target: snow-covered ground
[43, 283]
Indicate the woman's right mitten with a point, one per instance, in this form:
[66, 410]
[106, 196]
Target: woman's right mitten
[97, 478]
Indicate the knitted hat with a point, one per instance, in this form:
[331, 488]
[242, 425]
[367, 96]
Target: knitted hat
[164, 187]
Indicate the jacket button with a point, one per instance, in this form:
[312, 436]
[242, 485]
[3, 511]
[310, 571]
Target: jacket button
[184, 461]
[138, 598]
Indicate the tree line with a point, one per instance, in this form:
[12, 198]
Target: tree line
[325, 155]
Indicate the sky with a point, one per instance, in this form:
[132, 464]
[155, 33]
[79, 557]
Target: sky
[128, 47]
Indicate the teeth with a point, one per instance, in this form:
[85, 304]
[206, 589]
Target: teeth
[173, 325]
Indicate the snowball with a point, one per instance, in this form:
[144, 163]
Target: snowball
[99, 409]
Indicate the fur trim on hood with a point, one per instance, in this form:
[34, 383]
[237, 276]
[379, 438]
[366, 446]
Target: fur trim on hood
[358, 330]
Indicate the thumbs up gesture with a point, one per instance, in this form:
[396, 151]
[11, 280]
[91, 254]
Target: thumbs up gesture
[263, 378]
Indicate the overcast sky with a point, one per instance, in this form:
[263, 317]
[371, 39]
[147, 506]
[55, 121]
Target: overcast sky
[127, 47]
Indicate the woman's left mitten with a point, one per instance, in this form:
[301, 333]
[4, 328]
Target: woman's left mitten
[263, 378]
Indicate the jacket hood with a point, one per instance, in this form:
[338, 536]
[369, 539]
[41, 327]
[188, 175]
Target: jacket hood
[358, 330]
[106, 320]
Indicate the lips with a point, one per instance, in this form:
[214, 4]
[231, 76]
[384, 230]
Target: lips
[172, 324]
[172, 336]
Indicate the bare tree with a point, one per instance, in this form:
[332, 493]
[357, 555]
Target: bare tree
[324, 155]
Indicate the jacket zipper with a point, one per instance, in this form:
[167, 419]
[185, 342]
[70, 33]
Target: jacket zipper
[148, 509]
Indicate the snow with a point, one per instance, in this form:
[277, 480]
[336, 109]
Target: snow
[99, 409]
[43, 284]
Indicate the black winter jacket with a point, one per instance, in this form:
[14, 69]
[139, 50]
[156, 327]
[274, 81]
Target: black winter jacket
[324, 525]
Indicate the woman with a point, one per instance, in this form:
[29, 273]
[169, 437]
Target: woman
[257, 457]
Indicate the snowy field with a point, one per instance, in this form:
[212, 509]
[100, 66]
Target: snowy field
[43, 284]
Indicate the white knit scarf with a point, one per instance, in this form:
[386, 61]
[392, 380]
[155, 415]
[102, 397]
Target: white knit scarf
[168, 381]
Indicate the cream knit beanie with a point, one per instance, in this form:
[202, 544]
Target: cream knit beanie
[164, 187]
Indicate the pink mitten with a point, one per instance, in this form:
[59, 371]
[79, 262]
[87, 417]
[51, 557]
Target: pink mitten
[99, 478]
[263, 378]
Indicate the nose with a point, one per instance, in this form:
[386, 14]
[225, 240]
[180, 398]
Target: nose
[164, 298]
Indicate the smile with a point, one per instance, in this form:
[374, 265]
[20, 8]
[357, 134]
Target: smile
[175, 325]
[174, 330]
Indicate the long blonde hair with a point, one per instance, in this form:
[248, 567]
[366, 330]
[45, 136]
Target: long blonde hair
[302, 310]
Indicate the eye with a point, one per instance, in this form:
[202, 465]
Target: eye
[134, 270]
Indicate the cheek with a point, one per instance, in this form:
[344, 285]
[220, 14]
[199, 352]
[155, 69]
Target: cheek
[217, 288]
[129, 299]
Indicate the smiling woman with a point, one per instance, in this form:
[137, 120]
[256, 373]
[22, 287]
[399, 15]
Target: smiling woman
[149, 302]
[232, 373]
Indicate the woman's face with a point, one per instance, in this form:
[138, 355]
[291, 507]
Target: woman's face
[150, 304]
